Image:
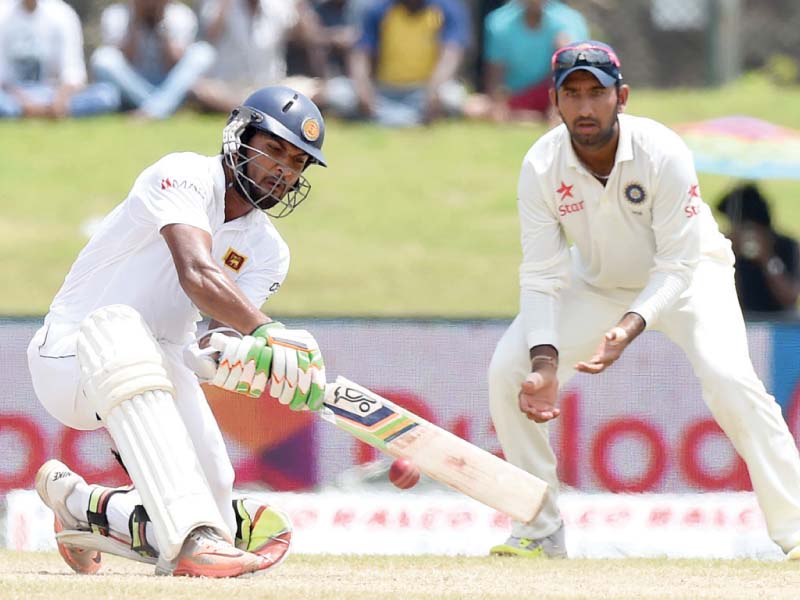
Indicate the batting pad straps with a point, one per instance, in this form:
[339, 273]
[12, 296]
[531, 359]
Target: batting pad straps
[243, 523]
[137, 526]
[98, 503]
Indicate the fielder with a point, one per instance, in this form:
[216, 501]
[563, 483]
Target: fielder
[646, 254]
[191, 236]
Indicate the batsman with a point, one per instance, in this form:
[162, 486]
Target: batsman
[645, 254]
[118, 348]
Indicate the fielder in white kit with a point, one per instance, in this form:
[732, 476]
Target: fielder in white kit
[118, 342]
[646, 254]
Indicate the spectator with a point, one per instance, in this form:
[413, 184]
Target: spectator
[250, 37]
[767, 262]
[519, 39]
[42, 71]
[414, 48]
[481, 10]
[150, 54]
[340, 22]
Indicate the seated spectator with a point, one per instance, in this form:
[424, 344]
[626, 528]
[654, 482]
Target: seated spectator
[481, 10]
[519, 40]
[340, 24]
[250, 38]
[767, 262]
[42, 72]
[414, 48]
[150, 54]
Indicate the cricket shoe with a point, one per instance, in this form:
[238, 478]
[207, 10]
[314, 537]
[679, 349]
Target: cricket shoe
[206, 554]
[794, 553]
[551, 546]
[54, 483]
[262, 530]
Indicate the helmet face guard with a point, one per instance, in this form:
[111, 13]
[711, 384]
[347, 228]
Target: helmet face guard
[285, 115]
[278, 199]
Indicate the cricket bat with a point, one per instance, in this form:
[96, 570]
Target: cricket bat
[438, 453]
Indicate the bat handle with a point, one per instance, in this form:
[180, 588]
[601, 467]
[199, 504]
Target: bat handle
[219, 341]
[326, 414]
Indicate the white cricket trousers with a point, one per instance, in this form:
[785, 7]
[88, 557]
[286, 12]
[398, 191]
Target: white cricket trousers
[707, 324]
[56, 380]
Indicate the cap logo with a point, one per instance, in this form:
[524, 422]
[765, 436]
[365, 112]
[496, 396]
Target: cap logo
[310, 129]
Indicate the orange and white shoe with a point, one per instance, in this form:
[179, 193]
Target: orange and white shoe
[206, 554]
[54, 483]
[262, 529]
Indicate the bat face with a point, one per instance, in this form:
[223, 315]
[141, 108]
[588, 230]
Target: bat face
[438, 453]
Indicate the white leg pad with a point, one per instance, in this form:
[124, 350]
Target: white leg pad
[124, 374]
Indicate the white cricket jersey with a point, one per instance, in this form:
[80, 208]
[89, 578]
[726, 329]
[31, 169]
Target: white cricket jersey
[128, 262]
[645, 230]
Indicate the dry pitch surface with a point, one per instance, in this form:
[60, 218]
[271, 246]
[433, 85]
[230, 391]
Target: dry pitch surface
[39, 575]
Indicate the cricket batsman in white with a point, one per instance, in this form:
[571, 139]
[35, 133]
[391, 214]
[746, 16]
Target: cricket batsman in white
[118, 348]
[646, 254]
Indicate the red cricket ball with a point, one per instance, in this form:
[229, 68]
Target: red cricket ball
[404, 473]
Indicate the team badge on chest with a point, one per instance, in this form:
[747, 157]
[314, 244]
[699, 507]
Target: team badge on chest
[634, 193]
[233, 260]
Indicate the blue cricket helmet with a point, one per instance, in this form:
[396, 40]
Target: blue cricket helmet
[287, 114]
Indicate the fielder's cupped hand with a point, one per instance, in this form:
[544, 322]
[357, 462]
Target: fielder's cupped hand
[286, 362]
[538, 396]
[610, 349]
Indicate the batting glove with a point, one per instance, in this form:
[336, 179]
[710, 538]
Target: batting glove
[286, 361]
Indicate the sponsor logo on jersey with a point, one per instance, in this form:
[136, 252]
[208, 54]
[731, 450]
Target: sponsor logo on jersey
[310, 129]
[184, 184]
[569, 208]
[566, 208]
[233, 260]
[635, 193]
[692, 208]
[565, 191]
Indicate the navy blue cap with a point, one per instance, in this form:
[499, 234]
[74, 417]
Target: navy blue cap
[593, 56]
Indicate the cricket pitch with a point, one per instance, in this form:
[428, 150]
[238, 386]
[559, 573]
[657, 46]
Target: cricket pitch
[29, 576]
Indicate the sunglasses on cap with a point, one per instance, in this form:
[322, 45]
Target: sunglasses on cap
[599, 59]
[588, 54]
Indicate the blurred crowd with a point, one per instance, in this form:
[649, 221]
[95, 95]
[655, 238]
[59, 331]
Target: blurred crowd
[396, 62]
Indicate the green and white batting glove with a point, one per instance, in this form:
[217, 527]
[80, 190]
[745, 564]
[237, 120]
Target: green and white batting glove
[297, 372]
[287, 362]
[243, 364]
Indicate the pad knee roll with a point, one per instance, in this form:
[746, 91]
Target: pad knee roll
[119, 358]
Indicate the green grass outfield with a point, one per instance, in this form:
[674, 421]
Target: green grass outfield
[403, 223]
[35, 576]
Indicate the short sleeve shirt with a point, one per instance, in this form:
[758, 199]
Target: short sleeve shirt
[407, 44]
[128, 262]
[524, 52]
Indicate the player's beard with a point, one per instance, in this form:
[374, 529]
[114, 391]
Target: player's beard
[595, 140]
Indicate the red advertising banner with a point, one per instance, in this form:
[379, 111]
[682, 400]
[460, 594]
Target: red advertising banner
[640, 427]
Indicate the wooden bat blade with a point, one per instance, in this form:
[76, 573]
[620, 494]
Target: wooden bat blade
[438, 453]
